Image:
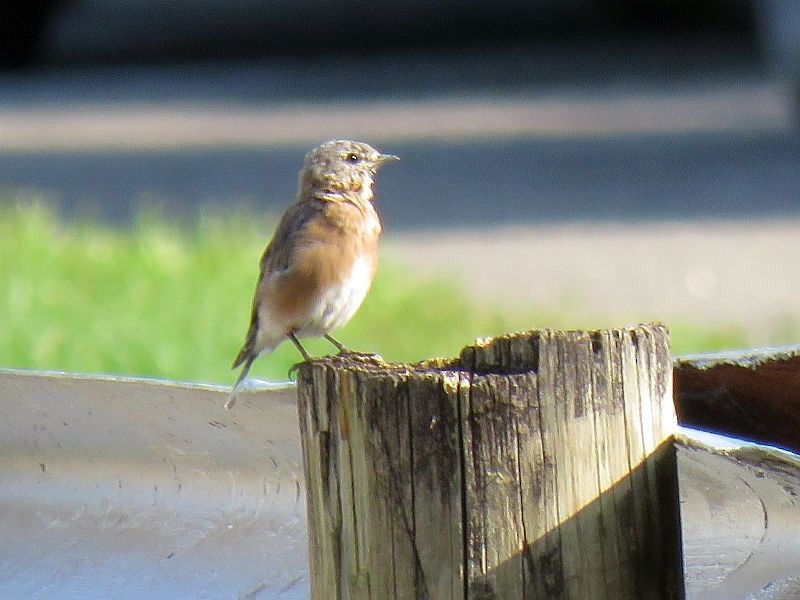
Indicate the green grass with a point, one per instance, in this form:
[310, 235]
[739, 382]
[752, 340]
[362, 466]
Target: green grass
[168, 300]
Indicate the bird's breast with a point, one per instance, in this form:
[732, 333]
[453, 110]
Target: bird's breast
[330, 271]
[339, 300]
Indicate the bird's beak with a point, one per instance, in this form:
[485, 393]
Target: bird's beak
[387, 158]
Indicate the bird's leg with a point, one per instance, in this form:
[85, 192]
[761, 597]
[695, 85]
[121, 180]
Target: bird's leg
[302, 350]
[344, 351]
[338, 344]
[296, 342]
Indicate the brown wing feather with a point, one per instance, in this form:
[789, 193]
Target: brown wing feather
[249, 341]
[277, 257]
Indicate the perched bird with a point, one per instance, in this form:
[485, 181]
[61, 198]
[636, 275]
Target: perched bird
[320, 263]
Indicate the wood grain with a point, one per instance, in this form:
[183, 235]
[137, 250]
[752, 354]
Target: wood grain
[535, 465]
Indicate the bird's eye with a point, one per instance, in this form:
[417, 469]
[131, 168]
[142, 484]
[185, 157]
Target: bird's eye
[352, 157]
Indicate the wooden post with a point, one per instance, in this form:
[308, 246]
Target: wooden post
[536, 465]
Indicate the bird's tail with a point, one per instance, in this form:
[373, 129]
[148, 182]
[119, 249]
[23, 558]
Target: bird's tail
[245, 352]
[247, 359]
[246, 356]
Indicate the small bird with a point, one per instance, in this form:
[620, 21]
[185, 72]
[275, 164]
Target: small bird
[320, 263]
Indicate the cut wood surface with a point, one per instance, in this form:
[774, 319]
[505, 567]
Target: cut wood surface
[536, 465]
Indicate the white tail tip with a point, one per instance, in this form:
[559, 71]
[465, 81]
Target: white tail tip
[231, 398]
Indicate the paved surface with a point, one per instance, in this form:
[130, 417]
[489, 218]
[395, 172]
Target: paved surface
[741, 272]
[753, 108]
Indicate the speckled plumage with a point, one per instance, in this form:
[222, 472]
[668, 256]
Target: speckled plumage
[320, 263]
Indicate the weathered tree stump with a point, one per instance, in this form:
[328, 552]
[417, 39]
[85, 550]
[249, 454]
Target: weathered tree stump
[536, 465]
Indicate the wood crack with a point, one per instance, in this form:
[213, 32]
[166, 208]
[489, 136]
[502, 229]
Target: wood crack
[536, 466]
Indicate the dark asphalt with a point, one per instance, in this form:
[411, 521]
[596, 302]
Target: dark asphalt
[440, 184]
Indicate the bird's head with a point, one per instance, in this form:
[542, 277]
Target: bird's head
[342, 166]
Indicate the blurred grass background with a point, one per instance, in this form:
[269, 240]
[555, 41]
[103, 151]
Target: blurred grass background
[172, 300]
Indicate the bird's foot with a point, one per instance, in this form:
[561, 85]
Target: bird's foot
[355, 354]
[362, 357]
[293, 369]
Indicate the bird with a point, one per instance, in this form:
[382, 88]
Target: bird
[320, 263]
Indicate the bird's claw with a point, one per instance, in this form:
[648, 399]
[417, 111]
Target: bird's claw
[293, 369]
[356, 354]
[363, 357]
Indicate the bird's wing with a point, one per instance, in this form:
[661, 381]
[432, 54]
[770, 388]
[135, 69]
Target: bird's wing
[277, 258]
[290, 232]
